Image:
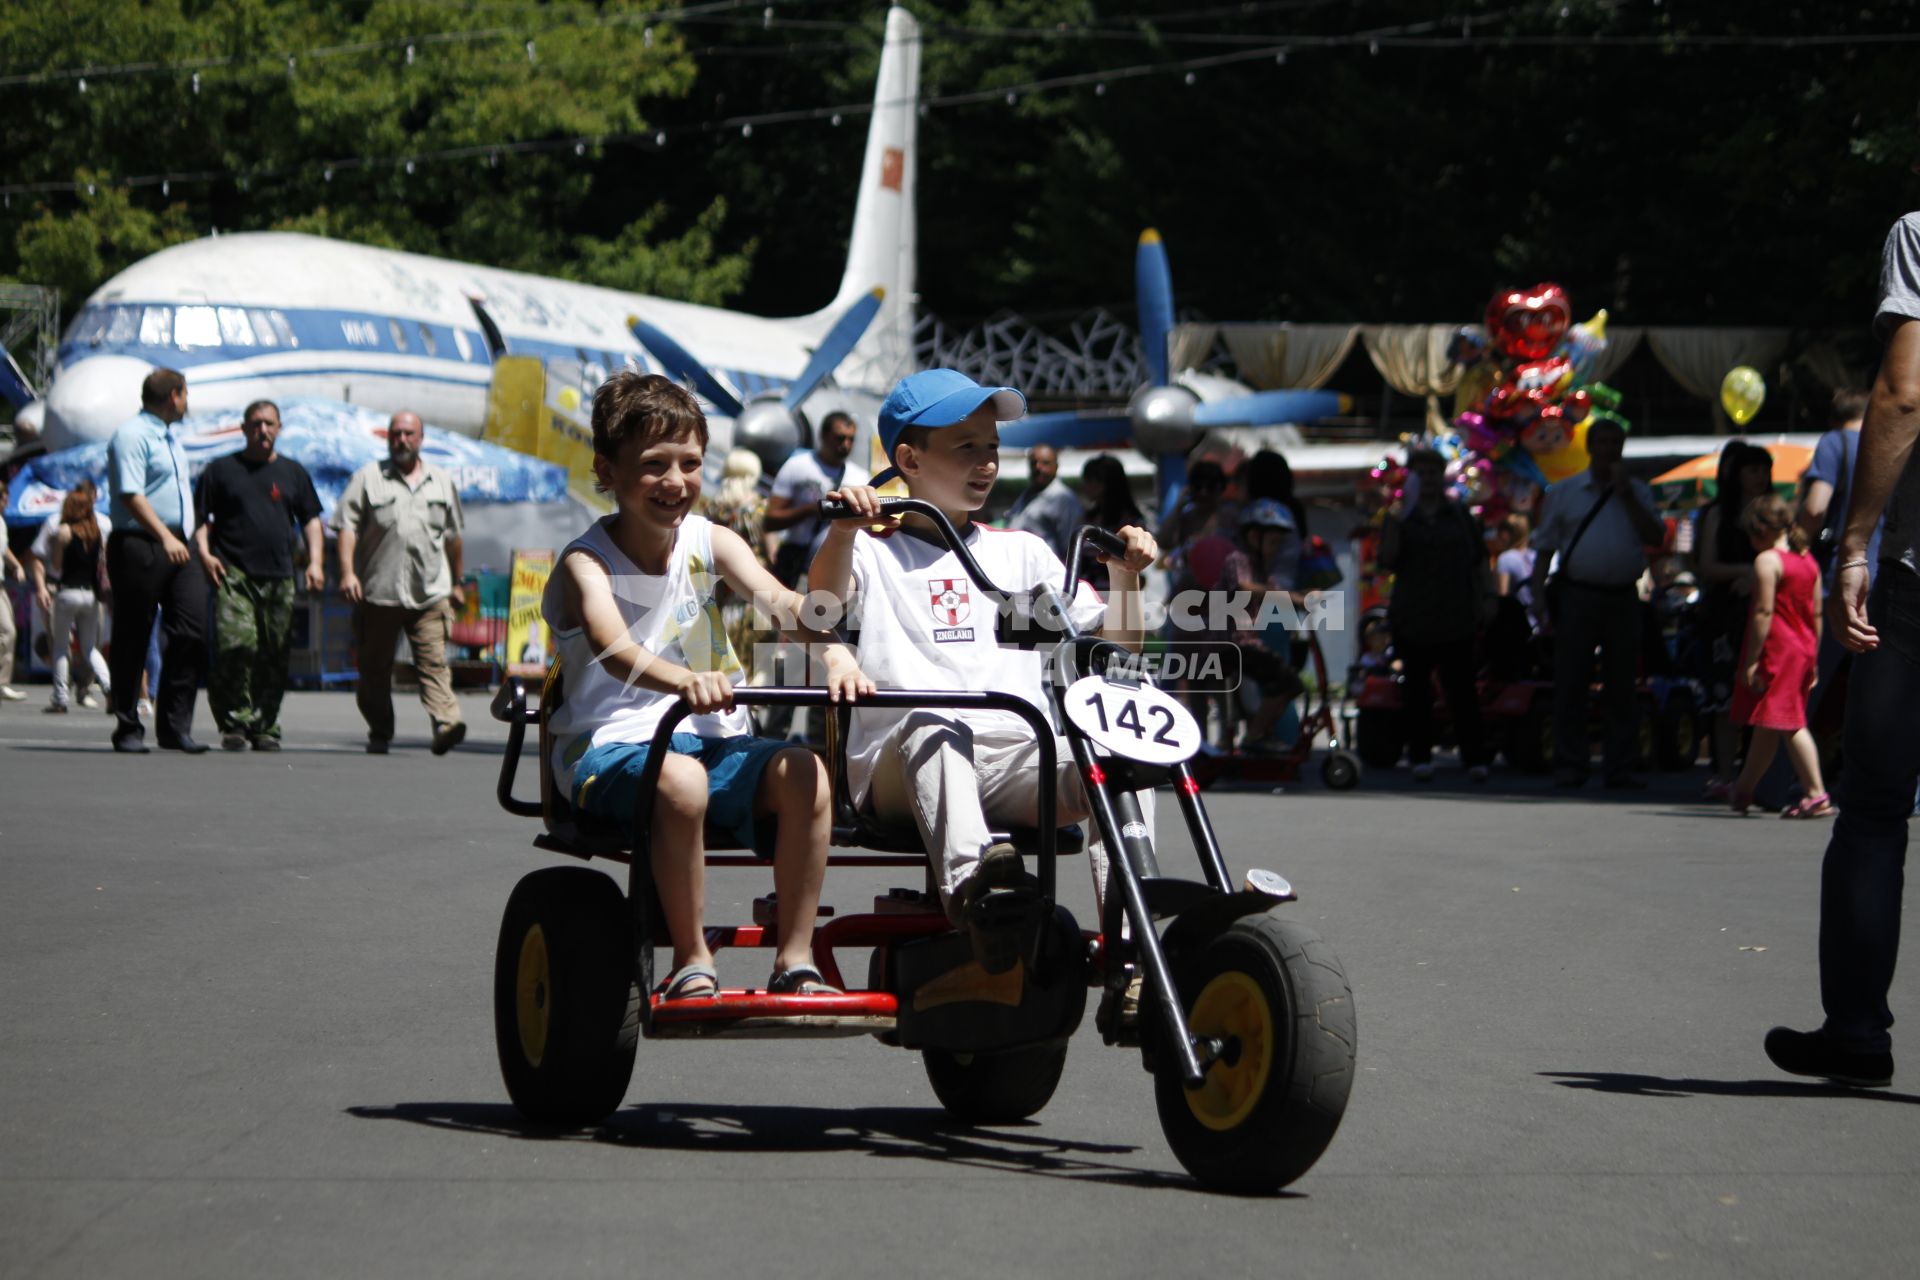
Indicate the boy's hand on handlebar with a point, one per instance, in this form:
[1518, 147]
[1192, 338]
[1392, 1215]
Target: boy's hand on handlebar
[707, 691]
[865, 501]
[1142, 550]
[845, 680]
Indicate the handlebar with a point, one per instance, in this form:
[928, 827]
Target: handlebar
[1102, 541]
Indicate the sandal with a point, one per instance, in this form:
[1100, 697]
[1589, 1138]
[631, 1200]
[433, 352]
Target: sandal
[1740, 801]
[801, 980]
[677, 985]
[1820, 806]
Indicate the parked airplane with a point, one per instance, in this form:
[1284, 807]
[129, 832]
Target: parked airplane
[271, 314]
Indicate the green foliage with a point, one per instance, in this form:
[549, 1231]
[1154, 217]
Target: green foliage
[1581, 140]
[355, 103]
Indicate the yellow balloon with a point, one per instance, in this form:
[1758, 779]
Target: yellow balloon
[1742, 393]
[1568, 460]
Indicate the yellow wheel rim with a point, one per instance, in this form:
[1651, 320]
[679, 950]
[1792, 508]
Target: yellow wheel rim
[1233, 1005]
[534, 995]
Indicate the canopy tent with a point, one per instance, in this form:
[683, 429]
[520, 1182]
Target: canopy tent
[1696, 480]
[510, 500]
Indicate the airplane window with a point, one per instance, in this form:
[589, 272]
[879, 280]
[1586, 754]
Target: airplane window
[426, 340]
[196, 327]
[156, 326]
[124, 325]
[461, 344]
[263, 329]
[90, 325]
[285, 330]
[399, 334]
[234, 329]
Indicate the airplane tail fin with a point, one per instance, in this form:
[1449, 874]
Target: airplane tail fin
[882, 250]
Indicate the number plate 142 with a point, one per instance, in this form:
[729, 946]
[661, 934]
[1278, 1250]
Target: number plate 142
[1139, 722]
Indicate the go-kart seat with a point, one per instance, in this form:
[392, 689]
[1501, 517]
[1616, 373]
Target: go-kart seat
[858, 828]
[570, 831]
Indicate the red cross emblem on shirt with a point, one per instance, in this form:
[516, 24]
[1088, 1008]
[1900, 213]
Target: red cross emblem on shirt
[950, 603]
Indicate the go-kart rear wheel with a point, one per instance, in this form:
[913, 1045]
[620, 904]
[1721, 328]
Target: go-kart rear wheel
[995, 1088]
[1275, 993]
[566, 1012]
[1340, 770]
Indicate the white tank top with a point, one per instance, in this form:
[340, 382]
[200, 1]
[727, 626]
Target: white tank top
[672, 615]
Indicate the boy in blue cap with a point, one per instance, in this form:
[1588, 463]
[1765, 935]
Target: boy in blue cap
[923, 625]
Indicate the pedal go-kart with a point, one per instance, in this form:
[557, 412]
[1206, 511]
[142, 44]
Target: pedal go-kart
[1244, 1017]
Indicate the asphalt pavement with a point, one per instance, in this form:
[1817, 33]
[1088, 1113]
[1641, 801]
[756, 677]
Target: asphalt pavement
[246, 1017]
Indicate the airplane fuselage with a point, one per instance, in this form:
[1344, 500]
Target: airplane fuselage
[277, 314]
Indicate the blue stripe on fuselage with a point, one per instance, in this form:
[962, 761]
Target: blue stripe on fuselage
[323, 333]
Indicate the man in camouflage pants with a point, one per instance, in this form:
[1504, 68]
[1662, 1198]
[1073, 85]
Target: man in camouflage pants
[251, 504]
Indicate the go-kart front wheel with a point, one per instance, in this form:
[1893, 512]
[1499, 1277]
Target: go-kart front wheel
[995, 1088]
[1275, 995]
[566, 1012]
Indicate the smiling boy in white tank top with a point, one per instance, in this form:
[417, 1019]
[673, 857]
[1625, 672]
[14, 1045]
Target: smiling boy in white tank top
[634, 618]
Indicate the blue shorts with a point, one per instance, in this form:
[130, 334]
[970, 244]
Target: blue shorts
[611, 774]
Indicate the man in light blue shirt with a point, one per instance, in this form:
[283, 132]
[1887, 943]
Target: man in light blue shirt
[150, 567]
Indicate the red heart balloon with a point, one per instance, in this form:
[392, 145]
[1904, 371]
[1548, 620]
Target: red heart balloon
[1528, 324]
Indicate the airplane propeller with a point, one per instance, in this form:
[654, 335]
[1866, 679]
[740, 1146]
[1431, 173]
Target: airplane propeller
[768, 424]
[1164, 417]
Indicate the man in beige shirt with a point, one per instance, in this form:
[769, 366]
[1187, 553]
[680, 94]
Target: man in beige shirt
[399, 523]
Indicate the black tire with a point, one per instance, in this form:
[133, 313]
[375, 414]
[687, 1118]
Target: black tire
[566, 1011]
[1678, 727]
[1380, 737]
[1265, 1116]
[1530, 742]
[1340, 771]
[995, 1088]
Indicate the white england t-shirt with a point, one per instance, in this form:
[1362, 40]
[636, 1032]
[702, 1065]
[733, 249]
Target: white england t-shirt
[925, 625]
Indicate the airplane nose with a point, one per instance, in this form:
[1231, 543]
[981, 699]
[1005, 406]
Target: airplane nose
[89, 398]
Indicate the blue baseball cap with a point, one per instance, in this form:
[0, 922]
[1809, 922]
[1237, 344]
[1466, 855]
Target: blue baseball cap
[938, 398]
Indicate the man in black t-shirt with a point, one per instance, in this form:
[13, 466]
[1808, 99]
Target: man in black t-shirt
[251, 506]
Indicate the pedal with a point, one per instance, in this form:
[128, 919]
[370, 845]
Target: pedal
[766, 910]
[1003, 925]
[906, 902]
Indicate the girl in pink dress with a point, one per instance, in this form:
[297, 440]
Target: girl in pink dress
[1777, 661]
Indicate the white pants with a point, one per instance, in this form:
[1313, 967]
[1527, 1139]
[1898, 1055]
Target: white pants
[74, 610]
[9, 636]
[955, 779]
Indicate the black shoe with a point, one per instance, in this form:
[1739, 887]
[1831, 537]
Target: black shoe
[1569, 778]
[1626, 782]
[265, 742]
[130, 744]
[998, 907]
[233, 740]
[376, 746]
[185, 746]
[1809, 1053]
[447, 737]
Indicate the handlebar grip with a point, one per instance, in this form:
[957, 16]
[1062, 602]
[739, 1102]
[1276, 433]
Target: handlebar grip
[1109, 543]
[832, 510]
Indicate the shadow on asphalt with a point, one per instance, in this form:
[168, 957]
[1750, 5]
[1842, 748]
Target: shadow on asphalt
[1660, 1087]
[885, 1132]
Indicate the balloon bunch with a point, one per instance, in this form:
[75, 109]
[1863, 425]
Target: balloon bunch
[1527, 395]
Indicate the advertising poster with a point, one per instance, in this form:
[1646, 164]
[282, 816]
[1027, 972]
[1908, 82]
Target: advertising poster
[528, 643]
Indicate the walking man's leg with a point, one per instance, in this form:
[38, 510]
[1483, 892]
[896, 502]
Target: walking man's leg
[1575, 632]
[273, 607]
[1621, 634]
[130, 567]
[375, 629]
[427, 633]
[183, 654]
[235, 646]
